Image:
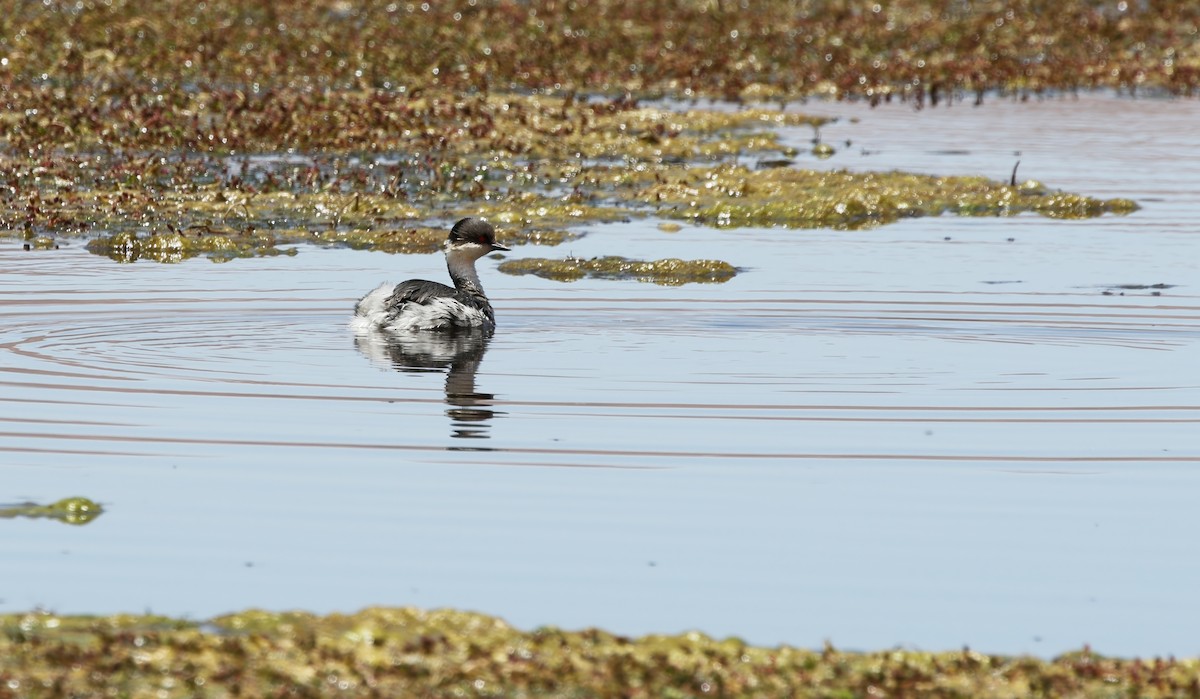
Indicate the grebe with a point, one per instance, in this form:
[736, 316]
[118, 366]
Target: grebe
[423, 305]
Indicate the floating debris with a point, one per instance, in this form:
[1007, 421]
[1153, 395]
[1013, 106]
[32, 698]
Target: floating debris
[1120, 289]
[1141, 287]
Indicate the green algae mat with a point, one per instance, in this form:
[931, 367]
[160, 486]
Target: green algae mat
[412, 653]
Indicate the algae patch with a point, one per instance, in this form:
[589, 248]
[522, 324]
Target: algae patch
[731, 196]
[667, 272]
[222, 245]
[411, 652]
[427, 239]
[178, 246]
[41, 242]
[75, 510]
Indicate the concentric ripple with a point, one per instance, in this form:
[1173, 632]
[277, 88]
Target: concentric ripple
[173, 371]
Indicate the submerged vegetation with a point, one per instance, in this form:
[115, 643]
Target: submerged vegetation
[228, 129]
[407, 652]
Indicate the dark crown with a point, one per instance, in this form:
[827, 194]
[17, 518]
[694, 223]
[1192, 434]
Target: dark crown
[475, 230]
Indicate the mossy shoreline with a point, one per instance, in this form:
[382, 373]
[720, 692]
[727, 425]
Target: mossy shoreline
[393, 652]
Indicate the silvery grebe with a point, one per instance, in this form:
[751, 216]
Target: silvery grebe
[423, 305]
[427, 305]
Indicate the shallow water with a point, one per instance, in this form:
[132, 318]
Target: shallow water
[941, 432]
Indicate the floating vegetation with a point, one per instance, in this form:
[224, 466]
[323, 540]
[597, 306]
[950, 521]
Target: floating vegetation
[409, 652]
[223, 245]
[729, 196]
[231, 220]
[76, 511]
[425, 239]
[530, 209]
[41, 242]
[824, 151]
[668, 272]
[176, 246]
[1061, 205]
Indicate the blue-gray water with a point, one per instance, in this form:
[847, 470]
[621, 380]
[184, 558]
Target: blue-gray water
[925, 434]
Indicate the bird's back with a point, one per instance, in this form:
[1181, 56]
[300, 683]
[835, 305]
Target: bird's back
[419, 291]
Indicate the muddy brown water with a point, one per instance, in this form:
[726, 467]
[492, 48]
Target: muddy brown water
[941, 432]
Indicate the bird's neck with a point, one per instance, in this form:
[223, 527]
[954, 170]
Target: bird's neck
[462, 271]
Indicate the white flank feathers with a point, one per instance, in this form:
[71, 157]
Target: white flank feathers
[371, 313]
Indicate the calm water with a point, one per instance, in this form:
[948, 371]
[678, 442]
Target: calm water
[926, 434]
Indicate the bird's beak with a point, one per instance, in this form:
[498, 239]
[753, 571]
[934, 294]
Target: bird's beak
[498, 247]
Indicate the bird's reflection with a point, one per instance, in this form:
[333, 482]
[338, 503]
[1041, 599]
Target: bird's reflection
[458, 354]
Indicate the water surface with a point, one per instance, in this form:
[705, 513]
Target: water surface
[941, 432]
